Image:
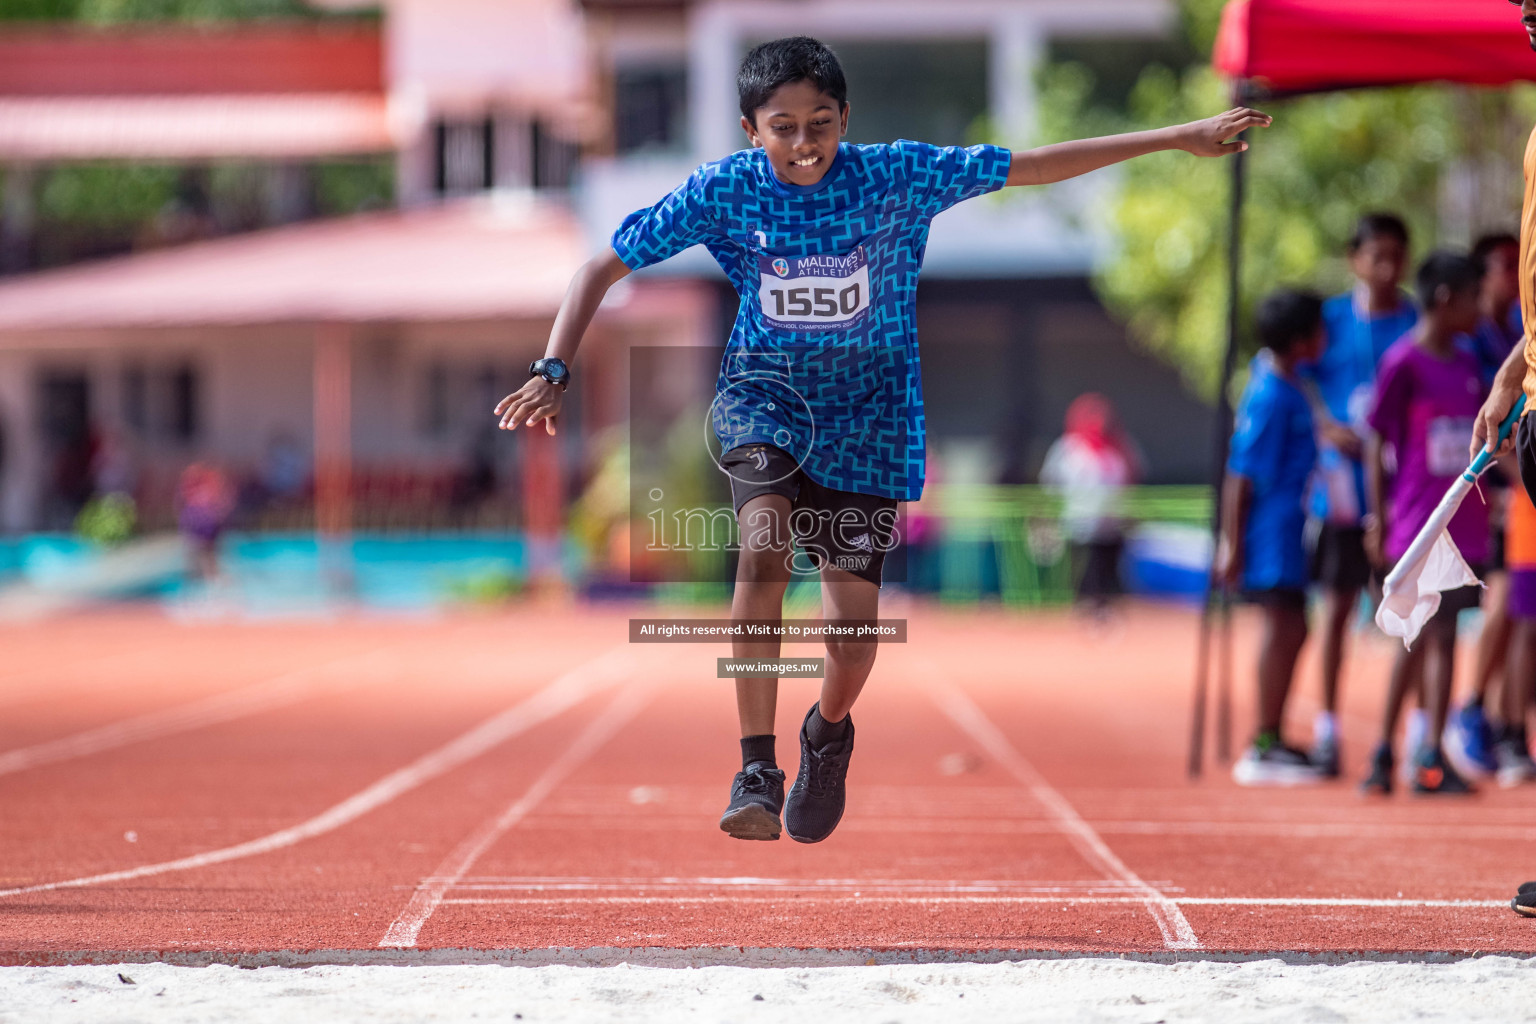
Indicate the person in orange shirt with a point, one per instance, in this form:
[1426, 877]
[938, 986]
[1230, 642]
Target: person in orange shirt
[1519, 371]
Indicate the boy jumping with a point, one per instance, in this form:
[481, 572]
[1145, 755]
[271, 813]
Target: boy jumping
[819, 407]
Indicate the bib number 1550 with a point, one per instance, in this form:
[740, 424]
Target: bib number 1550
[824, 303]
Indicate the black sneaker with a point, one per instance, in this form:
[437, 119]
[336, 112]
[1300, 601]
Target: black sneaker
[1433, 775]
[1524, 903]
[816, 799]
[1379, 782]
[757, 796]
[1268, 762]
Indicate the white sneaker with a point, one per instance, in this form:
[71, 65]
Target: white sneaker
[1278, 766]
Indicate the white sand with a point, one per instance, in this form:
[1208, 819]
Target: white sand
[1085, 990]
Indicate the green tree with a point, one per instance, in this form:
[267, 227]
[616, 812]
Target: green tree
[1326, 160]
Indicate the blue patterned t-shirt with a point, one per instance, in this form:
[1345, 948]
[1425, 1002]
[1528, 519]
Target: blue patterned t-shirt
[822, 361]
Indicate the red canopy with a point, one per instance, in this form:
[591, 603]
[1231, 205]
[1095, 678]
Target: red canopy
[1283, 47]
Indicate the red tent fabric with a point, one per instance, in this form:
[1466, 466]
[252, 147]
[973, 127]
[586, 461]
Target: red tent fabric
[1284, 47]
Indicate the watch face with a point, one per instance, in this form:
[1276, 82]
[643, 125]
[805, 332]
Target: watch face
[555, 368]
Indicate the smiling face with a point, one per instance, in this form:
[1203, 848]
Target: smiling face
[1528, 19]
[799, 128]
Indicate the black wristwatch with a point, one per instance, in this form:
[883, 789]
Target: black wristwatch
[553, 370]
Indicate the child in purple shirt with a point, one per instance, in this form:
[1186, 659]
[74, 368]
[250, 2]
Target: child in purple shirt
[1428, 393]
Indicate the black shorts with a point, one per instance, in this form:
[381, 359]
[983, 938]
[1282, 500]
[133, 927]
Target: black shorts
[1525, 451]
[1276, 597]
[844, 529]
[1497, 560]
[1338, 559]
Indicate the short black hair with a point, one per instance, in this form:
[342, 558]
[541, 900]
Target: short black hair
[1445, 269]
[1378, 225]
[782, 61]
[1287, 317]
[1489, 244]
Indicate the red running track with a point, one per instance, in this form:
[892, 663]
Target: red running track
[382, 789]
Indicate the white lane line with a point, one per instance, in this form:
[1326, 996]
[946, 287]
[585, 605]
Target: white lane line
[406, 928]
[560, 695]
[274, 692]
[1062, 901]
[1175, 929]
[561, 819]
[537, 883]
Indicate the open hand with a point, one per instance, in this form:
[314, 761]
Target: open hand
[1342, 439]
[536, 400]
[1210, 136]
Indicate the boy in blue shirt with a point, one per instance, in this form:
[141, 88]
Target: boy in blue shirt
[1262, 553]
[818, 407]
[1359, 327]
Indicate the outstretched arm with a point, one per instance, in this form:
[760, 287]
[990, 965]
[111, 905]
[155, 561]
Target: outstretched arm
[1062, 160]
[539, 399]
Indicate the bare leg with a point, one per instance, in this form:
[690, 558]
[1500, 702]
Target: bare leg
[1493, 647]
[1338, 609]
[1407, 670]
[762, 574]
[1520, 677]
[1285, 631]
[1439, 643]
[846, 596]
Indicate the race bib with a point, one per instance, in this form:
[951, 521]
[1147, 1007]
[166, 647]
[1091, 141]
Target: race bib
[1447, 439]
[814, 293]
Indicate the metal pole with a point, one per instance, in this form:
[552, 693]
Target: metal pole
[1222, 427]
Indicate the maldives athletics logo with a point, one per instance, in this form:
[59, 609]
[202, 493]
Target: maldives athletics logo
[781, 267]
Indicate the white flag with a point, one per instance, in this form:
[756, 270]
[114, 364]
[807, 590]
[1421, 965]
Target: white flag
[1412, 592]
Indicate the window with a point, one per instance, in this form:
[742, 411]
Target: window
[466, 156]
[459, 397]
[650, 108]
[64, 407]
[554, 159]
[163, 403]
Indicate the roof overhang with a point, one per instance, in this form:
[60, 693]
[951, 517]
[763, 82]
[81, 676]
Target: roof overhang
[475, 260]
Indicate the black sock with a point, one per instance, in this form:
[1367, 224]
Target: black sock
[821, 732]
[757, 749]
